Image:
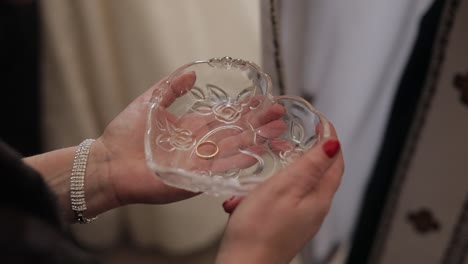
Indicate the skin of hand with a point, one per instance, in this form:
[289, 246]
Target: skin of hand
[117, 173]
[129, 175]
[273, 222]
[122, 145]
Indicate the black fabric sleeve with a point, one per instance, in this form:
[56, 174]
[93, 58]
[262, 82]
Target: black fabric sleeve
[30, 227]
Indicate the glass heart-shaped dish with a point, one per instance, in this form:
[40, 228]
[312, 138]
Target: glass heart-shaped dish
[214, 126]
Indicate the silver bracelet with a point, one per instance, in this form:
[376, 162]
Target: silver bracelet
[77, 193]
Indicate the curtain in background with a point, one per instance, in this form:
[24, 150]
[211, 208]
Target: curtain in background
[416, 206]
[99, 55]
[349, 57]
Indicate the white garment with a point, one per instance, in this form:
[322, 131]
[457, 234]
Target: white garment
[350, 55]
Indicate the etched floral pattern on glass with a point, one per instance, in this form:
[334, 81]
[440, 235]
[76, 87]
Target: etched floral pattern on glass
[219, 103]
[174, 137]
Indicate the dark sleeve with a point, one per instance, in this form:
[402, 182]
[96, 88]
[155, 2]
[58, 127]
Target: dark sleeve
[30, 227]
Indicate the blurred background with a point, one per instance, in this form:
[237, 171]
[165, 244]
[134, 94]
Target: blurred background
[387, 73]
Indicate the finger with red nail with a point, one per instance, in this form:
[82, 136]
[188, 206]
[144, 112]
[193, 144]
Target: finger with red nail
[230, 204]
[275, 220]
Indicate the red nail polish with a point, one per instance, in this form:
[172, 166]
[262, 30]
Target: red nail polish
[230, 204]
[331, 147]
[226, 202]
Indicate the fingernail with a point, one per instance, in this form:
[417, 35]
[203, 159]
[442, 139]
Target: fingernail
[331, 147]
[230, 204]
[326, 132]
[228, 200]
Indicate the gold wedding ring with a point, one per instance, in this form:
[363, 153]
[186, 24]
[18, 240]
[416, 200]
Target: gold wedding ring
[207, 155]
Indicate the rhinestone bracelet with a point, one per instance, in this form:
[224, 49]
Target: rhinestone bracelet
[77, 193]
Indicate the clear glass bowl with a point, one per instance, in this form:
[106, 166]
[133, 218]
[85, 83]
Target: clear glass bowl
[215, 127]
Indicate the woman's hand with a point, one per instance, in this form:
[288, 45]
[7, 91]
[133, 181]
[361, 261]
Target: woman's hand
[122, 145]
[273, 223]
[117, 173]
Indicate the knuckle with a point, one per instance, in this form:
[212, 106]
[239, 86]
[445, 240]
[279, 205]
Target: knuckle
[314, 164]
